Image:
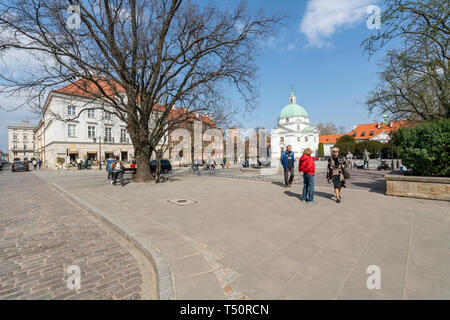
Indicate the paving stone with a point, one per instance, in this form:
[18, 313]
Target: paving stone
[42, 234]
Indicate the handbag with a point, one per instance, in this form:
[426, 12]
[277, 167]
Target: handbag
[346, 173]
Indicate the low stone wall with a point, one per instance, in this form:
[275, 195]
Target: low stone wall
[435, 188]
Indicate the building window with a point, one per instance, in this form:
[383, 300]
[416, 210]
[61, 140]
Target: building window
[91, 113]
[24, 146]
[108, 116]
[363, 134]
[287, 120]
[15, 136]
[108, 134]
[15, 153]
[25, 137]
[72, 130]
[298, 127]
[282, 139]
[306, 139]
[123, 135]
[298, 139]
[15, 146]
[71, 110]
[91, 132]
[371, 133]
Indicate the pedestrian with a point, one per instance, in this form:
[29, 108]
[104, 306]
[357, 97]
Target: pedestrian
[109, 162]
[366, 158]
[34, 164]
[288, 162]
[117, 171]
[307, 168]
[336, 167]
[79, 162]
[349, 158]
[39, 164]
[196, 165]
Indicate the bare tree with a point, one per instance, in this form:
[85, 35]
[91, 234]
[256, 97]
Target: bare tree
[328, 128]
[142, 57]
[414, 83]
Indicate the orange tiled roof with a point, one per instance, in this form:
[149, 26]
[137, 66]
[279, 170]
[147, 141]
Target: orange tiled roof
[370, 130]
[329, 138]
[88, 89]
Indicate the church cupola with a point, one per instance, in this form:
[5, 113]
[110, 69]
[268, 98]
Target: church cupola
[292, 98]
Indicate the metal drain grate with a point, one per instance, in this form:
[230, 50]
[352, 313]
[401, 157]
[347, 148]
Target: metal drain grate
[182, 202]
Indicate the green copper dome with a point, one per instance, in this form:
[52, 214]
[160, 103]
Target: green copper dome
[293, 110]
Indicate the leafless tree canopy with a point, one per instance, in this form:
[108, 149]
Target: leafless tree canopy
[137, 54]
[414, 82]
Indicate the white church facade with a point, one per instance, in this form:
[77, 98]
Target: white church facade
[293, 129]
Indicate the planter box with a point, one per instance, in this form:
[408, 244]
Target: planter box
[435, 188]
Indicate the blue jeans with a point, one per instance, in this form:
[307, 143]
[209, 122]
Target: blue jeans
[366, 162]
[308, 188]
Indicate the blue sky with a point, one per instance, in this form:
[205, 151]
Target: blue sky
[317, 52]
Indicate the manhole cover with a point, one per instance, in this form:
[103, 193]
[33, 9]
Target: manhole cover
[182, 202]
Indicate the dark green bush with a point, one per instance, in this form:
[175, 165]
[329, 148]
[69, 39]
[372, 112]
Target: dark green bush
[346, 143]
[373, 146]
[425, 149]
[321, 151]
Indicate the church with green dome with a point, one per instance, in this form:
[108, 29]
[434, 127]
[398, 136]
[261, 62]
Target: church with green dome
[293, 128]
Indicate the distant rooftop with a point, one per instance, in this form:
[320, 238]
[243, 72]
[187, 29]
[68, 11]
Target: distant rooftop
[23, 124]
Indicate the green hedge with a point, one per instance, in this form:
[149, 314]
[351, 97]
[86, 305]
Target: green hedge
[425, 149]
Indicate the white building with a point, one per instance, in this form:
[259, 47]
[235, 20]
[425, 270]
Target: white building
[61, 135]
[293, 129]
[21, 142]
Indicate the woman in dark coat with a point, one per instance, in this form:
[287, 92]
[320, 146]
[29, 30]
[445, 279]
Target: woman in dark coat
[336, 165]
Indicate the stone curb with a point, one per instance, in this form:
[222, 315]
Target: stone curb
[164, 279]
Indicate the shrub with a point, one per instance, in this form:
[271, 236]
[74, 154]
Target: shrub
[425, 149]
[60, 160]
[373, 146]
[346, 143]
[321, 151]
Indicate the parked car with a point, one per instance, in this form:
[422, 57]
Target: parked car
[1, 165]
[165, 166]
[20, 165]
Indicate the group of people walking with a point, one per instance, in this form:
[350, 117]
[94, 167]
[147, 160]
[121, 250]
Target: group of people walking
[115, 169]
[337, 172]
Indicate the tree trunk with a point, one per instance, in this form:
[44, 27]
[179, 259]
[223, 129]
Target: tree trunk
[143, 173]
[159, 155]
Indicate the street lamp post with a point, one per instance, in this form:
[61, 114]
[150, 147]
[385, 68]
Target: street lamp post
[100, 151]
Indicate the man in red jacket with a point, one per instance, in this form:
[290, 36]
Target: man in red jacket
[307, 167]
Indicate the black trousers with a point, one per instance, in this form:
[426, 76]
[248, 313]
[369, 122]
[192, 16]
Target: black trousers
[117, 175]
[288, 176]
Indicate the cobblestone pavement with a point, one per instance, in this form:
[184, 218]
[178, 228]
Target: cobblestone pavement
[42, 233]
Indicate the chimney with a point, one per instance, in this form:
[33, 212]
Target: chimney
[379, 125]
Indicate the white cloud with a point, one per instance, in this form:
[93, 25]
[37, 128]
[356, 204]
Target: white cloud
[324, 17]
